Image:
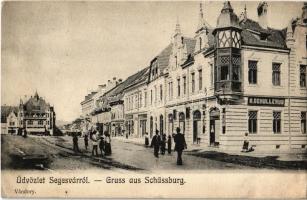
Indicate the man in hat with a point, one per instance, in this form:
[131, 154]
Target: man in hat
[155, 143]
[180, 145]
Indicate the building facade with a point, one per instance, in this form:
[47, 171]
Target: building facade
[35, 116]
[236, 78]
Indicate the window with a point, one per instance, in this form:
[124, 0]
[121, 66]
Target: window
[276, 74]
[252, 121]
[40, 122]
[303, 75]
[145, 96]
[150, 97]
[200, 43]
[212, 74]
[303, 122]
[171, 90]
[47, 122]
[276, 122]
[156, 94]
[178, 87]
[141, 100]
[224, 73]
[184, 85]
[252, 72]
[161, 93]
[193, 82]
[30, 122]
[12, 123]
[200, 79]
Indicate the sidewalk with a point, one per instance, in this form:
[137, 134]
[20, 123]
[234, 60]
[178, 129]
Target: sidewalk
[197, 149]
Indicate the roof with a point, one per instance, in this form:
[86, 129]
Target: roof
[275, 38]
[118, 92]
[190, 43]
[6, 110]
[36, 104]
[163, 57]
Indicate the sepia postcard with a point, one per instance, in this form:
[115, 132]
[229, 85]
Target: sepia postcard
[154, 99]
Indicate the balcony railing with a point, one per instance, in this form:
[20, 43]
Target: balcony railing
[226, 87]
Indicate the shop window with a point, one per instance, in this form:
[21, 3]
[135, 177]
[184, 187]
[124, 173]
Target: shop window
[303, 75]
[224, 72]
[303, 122]
[252, 121]
[276, 122]
[252, 72]
[276, 74]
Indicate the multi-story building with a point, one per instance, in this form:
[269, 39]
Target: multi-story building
[135, 104]
[226, 97]
[236, 78]
[36, 116]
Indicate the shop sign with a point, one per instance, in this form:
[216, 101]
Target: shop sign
[266, 101]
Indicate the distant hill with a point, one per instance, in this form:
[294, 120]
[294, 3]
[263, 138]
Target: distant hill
[60, 123]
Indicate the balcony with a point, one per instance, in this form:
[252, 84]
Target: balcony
[226, 88]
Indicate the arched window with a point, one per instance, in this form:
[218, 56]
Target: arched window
[196, 115]
[161, 124]
[182, 122]
[170, 124]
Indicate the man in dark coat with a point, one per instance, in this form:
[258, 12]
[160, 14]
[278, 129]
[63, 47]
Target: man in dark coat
[155, 143]
[180, 145]
[75, 143]
[163, 144]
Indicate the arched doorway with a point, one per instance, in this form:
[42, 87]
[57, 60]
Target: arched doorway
[161, 124]
[196, 125]
[214, 126]
[170, 124]
[151, 127]
[182, 122]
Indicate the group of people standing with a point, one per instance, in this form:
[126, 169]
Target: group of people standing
[159, 141]
[103, 140]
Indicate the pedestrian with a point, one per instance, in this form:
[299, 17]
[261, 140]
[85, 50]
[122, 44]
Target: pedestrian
[25, 133]
[245, 143]
[180, 145]
[146, 139]
[94, 143]
[86, 140]
[102, 145]
[108, 150]
[169, 144]
[75, 143]
[155, 143]
[163, 143]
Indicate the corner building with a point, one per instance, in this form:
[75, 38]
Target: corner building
[239, 77]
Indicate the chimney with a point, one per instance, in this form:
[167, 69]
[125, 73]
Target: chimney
[120, 80]
[262, 14]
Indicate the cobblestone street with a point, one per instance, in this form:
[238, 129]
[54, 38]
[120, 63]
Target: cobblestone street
[126, 155]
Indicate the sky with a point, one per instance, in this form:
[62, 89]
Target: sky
[63, 50]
